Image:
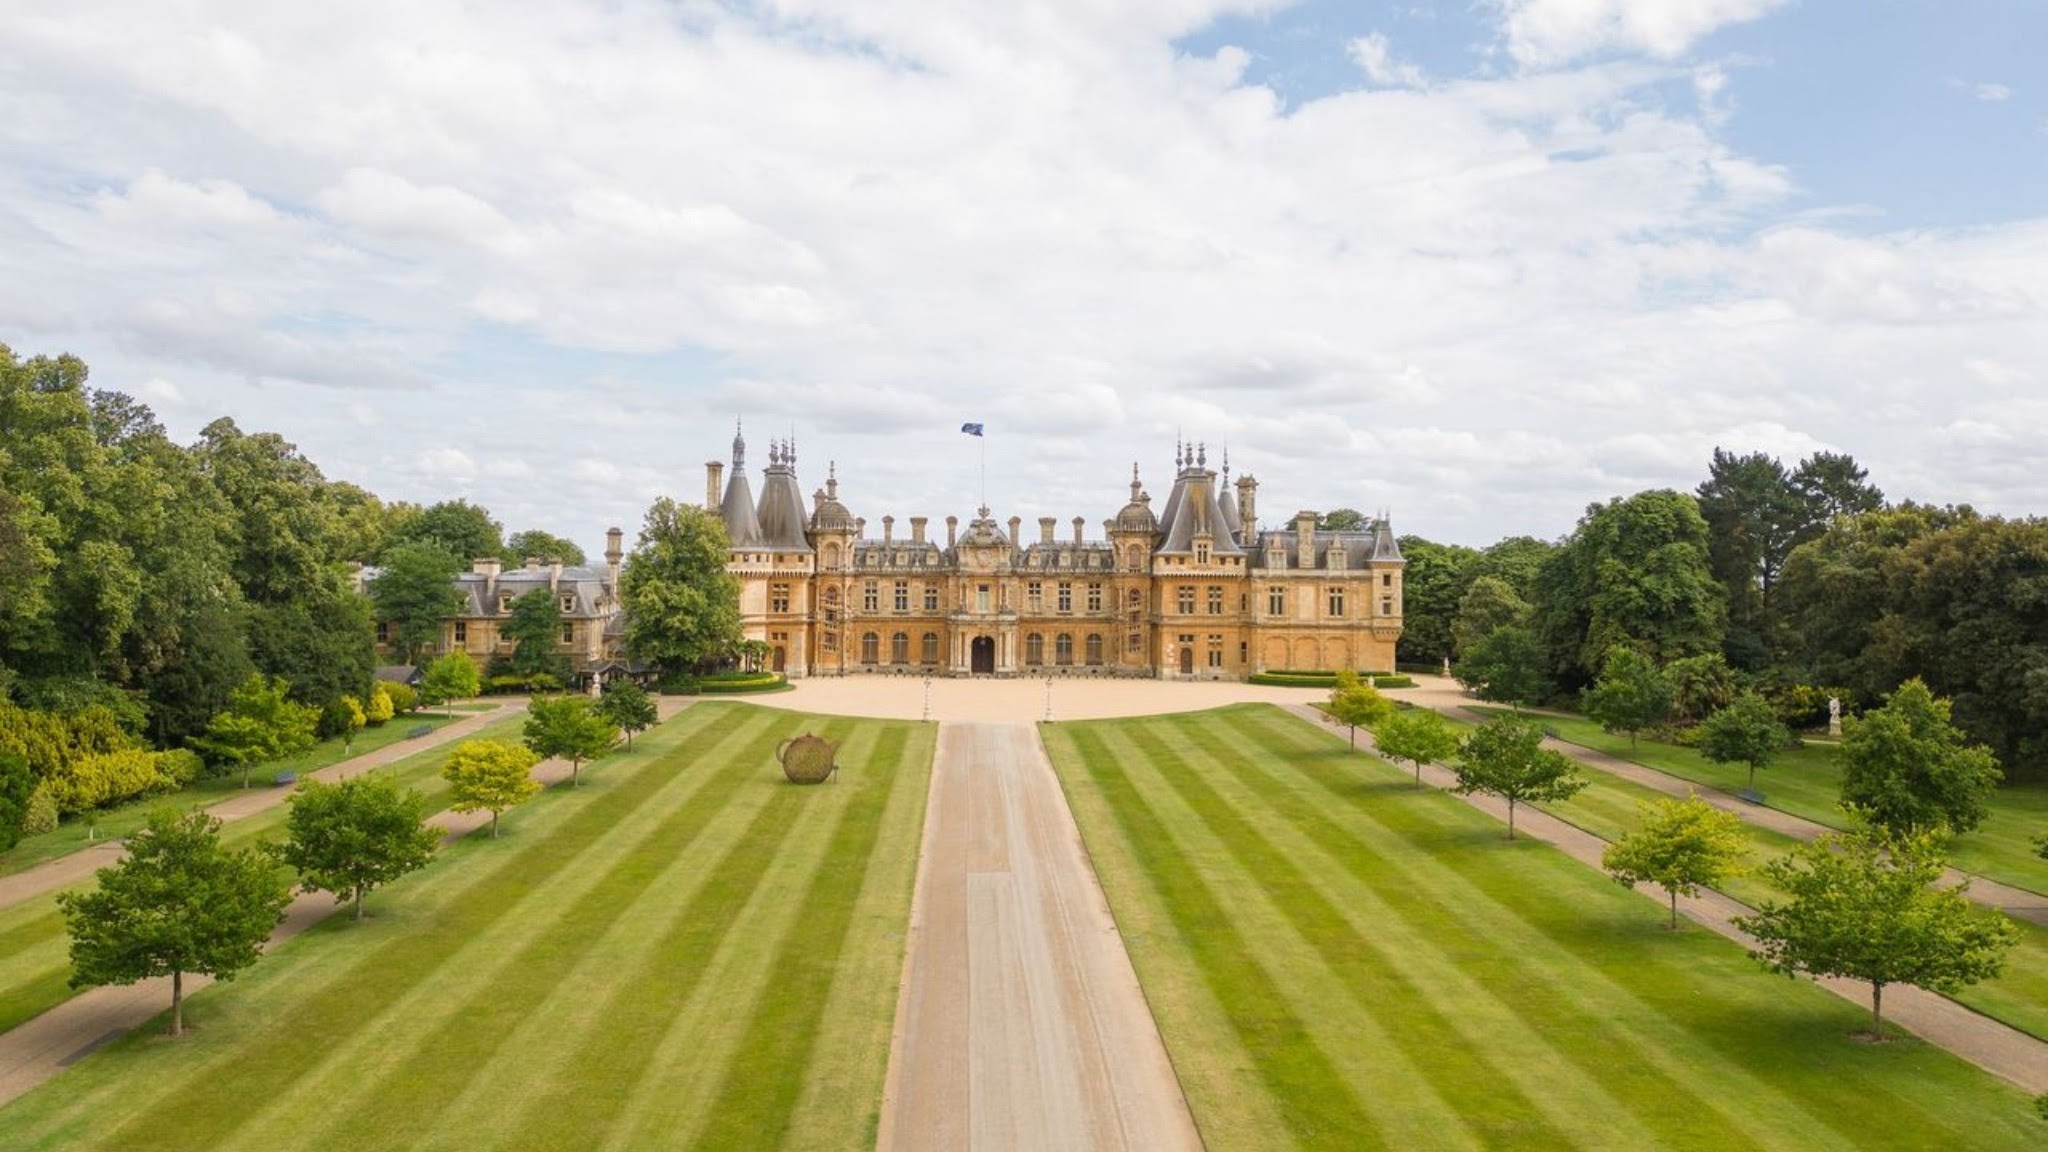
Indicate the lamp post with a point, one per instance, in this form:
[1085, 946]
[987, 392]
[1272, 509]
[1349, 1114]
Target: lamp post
[927, 696]
[1048, 698]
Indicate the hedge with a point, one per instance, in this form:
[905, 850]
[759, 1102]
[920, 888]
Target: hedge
[734, 683]
[1393, 682]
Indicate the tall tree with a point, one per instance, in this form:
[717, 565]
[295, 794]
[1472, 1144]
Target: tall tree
[1907, 769]
[1634, 574]
[1681, 846]
[627, 705]
[413, 593]
[569, 728]
[1505, 757]
[1632, 694]
[1753, 519]
[1432, 583]
[463, 530]
[534, 628]
[449, 678]
[490, 775]
[1747, 731]
[1506, 666]
[1489, 603]
[1831, 485]
[355, 836]
[179, 902]
[1418, 736]
[543, 546]
[261, 724]
[1342, 520]
[681, 605]
[1864, 905]
[321, 640]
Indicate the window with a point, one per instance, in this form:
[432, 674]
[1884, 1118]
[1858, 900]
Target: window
[1063, 650]
[1095, 596]
[778, 597]
[461, 632]
[1034, 596]
[870, 596]
[568, 633]
[903, 595]
[1336, 602]
[1134, 557]
[1386, 579]
[981, 597]
[1094, 649]
[1215, 651]
[829, 641]
[1386, 605]
[931, 597]
[870, 648]
[1201, 553]
[1034, 649]
[1215, 601]
[1066, 596]
[930, 651]
[1184, 599]
[899, 648]
[1136, 599]
[568, 603]
[504, 602]
[383, 632]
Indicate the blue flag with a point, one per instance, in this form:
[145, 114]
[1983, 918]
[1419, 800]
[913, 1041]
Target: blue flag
[971, 429]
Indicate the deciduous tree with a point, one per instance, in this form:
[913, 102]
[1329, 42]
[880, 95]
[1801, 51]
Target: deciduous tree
[1864, 905]
[1506, 666]
[1631, 695]
[1747, 731]
[456, 528]
[1418, 736]
[627, 705]
[357, 835]
[179, 902]
[681, 605]
[1681, 846]
[1906, 768]
[490, 775]
[17, 784]
[1505, 757]
[534, 627]
[1357, 705]
[449, 678]
[543, 546]
[567, 726]
[262, 724]
[413, 593]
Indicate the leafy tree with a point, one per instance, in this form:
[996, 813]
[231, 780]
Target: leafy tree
[179, 902]
[414, 592]
[681, 605]
[1753, 519]
[450, 678]
[456, 528]
[1841, 595]
[1418, 736]
[404, 697]
[534, 542]
[568, 727]
[17, 785]
[534, 627]
[1832, 485]
[355, 836]
[1907, 769]
[1432, 582]
[1747, 731]
[490, 775]
[1505, 757]
[1489, 603]
[1864, 906]
[1631, 695]
[1506, 666]
[350, 719]
[1355, 704]
[628, 706]
[1342, 520]
[380, 709]
[262, 724]
[322, 641]
[1682, 847]
[1700, 686]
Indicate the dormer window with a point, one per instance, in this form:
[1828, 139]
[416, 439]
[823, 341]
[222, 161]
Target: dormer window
[505, 602]
[1201, 553]
[568, 603]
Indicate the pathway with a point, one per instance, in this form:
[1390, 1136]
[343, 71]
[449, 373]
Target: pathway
[77, 867]
[1990, 1045]
[1020, 1024]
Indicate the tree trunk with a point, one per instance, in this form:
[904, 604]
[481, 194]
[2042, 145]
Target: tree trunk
[246, 767]
[1511, 818]
[1673, 893]
[359, 902]
[1354, 737]
[177, 1003]
[494, 823]
[1752, 777]
[1876, 1012]
[1418, 773]
[576, 773]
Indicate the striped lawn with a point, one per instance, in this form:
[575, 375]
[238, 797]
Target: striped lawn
[686, 952]
[35, 963]
[1338, 960]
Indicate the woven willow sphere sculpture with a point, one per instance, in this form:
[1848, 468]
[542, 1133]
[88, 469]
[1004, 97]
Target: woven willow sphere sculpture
[807, 759]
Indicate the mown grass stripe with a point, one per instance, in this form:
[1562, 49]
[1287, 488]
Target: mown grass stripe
[752, 1110]
[280, 1059]
[1319, 1107]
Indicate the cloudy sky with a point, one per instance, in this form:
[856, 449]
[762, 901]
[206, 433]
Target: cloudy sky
[1478, 262]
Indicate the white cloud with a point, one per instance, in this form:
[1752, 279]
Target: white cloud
[1546, 33]
[1992, 93]
[1376, 57]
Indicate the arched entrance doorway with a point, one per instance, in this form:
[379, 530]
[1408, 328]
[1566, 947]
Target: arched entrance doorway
[982, 655]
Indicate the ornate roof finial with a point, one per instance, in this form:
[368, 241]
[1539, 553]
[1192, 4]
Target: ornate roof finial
[1226, 462]
[1135, 486]
[832, 479]
[789, 448]
[1202, 455]
[1178, 463]
[739, 445]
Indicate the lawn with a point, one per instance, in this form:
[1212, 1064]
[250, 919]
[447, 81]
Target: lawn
[1807, 782]
[1339, 960]
[686, 952]
[117, 822]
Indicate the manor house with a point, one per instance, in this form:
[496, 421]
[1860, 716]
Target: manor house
[1196, 590]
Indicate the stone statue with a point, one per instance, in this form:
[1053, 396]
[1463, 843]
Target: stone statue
[1835, 717]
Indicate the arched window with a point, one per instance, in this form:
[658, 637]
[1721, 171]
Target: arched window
[1134, 557]
[1063, 649]
[899, 648]
[930, 655]
[1094, 649]
[1034, 649]
[831, 556]
[870, 648]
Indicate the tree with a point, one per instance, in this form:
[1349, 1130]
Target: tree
[1864, 905]
[1700, 686]
[490, 775]
[414, 592]
[1489, 603]
[1753, 518]
[1418, 736]
[262, 724]
[179, 902]
[540, 545]
[1682, 846]
[567, 727]
[1505, 757]
[1357, 704]
[358, 835]
[1630, 696]
[380, 709]
[1906, 768]
[1506, 666]
[534, 627]
[456, 528]
[349, 719]
[1747, 731]
[17, 785]
[322, 642]
[1342, 520]
[627, 705]
[681, 605]
[450, 678]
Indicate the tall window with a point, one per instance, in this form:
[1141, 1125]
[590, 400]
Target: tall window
[1184, 599]
[1201, 553]
[1095, 596]
[899, 648]
[1386, 579]
[1034, 649]
[931, 597]
[778, 597]
[870, 648]
[871, 596]
[1336, 602]
[1034, 596]
[568, 603]
[461, 632]
[1094, 649]
[903, 595]
[1386, 605]
[981, 597]
[1063, 649]
[1215, 601]
[930, 653]
[568, 633]
[1066, 596]
[1215, 651]
[1276, 601]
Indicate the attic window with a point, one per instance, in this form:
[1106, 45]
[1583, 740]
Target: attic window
[504, 603]
[568, 603]
[1201, 553]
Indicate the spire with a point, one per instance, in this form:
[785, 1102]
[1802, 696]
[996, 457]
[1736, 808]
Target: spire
[1226, 465]
[739, 446]
[1135, 486]
[832, 479]
[1202, 456]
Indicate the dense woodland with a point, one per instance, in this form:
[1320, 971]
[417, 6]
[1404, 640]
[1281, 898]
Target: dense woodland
[150, 588]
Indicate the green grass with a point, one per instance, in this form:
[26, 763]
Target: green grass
[1807, 782]
[113, 823]
[1339, 960]
[686, 952]
[34, 952]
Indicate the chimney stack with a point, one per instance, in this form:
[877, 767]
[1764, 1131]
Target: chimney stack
[714, 483]
[1305, 538]
[1016, 524]
[952, 532]
[917, 524]
[1248, 505]
[1045, 529]
[1078, 522]
[487, 567]
[554, 575]
[614, 554]
[888, 529]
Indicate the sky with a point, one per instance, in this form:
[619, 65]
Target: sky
[1475, 263]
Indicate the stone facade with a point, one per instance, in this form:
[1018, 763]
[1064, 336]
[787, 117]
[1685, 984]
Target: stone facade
[1199, 590]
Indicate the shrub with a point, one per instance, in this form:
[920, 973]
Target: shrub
[42, 813]
[96, 781]
[731, 683]
[180, 766]
[378, 708]
[404, 698]
[1393, 682]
